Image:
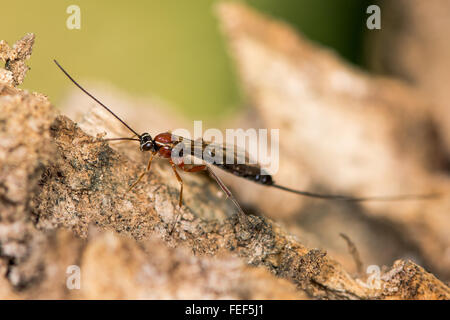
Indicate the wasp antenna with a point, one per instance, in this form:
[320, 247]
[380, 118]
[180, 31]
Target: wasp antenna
[358, 199]
[94, 98]
[121, 139]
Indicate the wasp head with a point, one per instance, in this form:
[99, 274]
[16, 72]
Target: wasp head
[146, 142]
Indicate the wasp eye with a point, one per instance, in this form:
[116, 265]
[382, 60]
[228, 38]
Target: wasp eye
[147, 146]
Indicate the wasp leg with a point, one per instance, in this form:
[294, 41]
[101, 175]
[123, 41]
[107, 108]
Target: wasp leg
[242, 216]
[174, 168]
[180, 201]
[143, 173]
[193, 169]
[219, 182]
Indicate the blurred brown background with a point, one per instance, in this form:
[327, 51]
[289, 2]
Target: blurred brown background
[169, 48]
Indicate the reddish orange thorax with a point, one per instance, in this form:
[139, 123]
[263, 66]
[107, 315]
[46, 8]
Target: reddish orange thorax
[165, 144]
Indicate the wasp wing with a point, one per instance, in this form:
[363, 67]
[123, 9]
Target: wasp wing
[229, 158]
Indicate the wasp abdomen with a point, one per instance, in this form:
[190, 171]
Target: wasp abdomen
[248, 172]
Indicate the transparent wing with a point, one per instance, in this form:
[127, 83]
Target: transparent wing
[229, 158]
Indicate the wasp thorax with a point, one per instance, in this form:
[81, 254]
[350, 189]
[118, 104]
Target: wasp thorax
[146, 142]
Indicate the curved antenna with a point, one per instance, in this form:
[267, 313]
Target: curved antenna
[355, 199]
[121, 139]
[95, 99]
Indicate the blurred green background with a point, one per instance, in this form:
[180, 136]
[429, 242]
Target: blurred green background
[171, 48]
